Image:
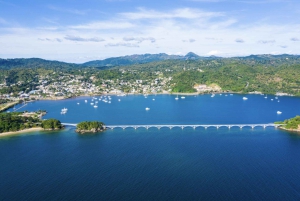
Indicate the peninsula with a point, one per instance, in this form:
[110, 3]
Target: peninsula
[21, 122]
[292, 124]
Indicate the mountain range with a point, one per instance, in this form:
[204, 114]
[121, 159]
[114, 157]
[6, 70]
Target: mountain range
[137, 59]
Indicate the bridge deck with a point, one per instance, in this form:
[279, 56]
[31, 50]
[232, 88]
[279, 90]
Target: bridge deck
[194, 126]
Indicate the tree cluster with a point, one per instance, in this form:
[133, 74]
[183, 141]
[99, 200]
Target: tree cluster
[15, 122]
[90, 126]
[51, 124]
[292, 123]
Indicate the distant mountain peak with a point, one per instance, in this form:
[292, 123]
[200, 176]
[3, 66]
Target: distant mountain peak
[191, 55]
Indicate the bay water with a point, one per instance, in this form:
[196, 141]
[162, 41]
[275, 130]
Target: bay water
[164, 164]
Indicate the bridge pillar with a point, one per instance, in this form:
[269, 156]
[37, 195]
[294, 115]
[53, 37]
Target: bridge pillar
[135, 128]
[147, 127]
[229, 127]
[205, 127]
[158, 127]
[241, 127]
[123, 128]
[252, 127]
[217, 127]
[182, 127]
[194, 127]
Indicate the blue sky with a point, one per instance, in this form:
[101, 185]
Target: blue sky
[83, 30]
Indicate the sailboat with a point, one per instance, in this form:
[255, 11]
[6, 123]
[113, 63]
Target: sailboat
[176, 97]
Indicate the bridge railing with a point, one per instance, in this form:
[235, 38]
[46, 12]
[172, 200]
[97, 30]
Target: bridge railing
[194, 126]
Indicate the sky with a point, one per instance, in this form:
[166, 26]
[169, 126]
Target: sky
[77, 31]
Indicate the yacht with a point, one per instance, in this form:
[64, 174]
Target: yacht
[147, 108]
[182, 97]
[245, 98]
[78, 103]
[95, 106]
[278, 112]
[153, 99]
[176, 97]
[64, 111]
[85, 101]
[213, 95]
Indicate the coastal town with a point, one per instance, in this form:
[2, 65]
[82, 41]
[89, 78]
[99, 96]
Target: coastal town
[69, 85]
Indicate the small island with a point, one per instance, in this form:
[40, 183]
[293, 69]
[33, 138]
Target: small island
[51, 124]
[90, 127]
[292, 124]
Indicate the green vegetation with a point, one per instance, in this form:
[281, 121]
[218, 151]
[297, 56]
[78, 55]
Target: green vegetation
[15, 121]
[90, 126]
[51, 124]
[265, 73]
[292, 123]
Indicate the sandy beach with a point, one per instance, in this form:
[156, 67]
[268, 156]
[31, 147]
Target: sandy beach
[20, 132]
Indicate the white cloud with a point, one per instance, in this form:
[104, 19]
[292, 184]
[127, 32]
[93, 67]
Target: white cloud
[184, 13]
[139, 39]
[102, 25]
[295, 39]
[239, 40]
[266, 41]
[80, 39]
[68, 10]
[121, 44]
[213, 52]
[150, 31]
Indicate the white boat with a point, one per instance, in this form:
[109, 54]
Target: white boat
[182, 97]
[95, 106]
[78, 103]
[119, 100]
[245, 98]
[92, 103]
[266, 97]
[276, 97]
[231, 94]
[213, 95]
[64, 111]
[271, 99]
[278, 101]
[278, 112]
[147, 108]
[176, 97]
[85, 101]
[153, 99]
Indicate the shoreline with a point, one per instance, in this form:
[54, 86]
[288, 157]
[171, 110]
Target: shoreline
[130, 94]
[29, 130]
[290, 130]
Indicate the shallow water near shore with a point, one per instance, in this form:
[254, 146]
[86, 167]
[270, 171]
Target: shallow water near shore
[176, 164]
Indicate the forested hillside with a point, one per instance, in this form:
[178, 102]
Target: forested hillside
[264, 73]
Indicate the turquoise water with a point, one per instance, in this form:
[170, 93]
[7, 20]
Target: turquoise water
[247, 164]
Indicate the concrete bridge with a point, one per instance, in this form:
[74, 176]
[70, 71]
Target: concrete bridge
[194, 126]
